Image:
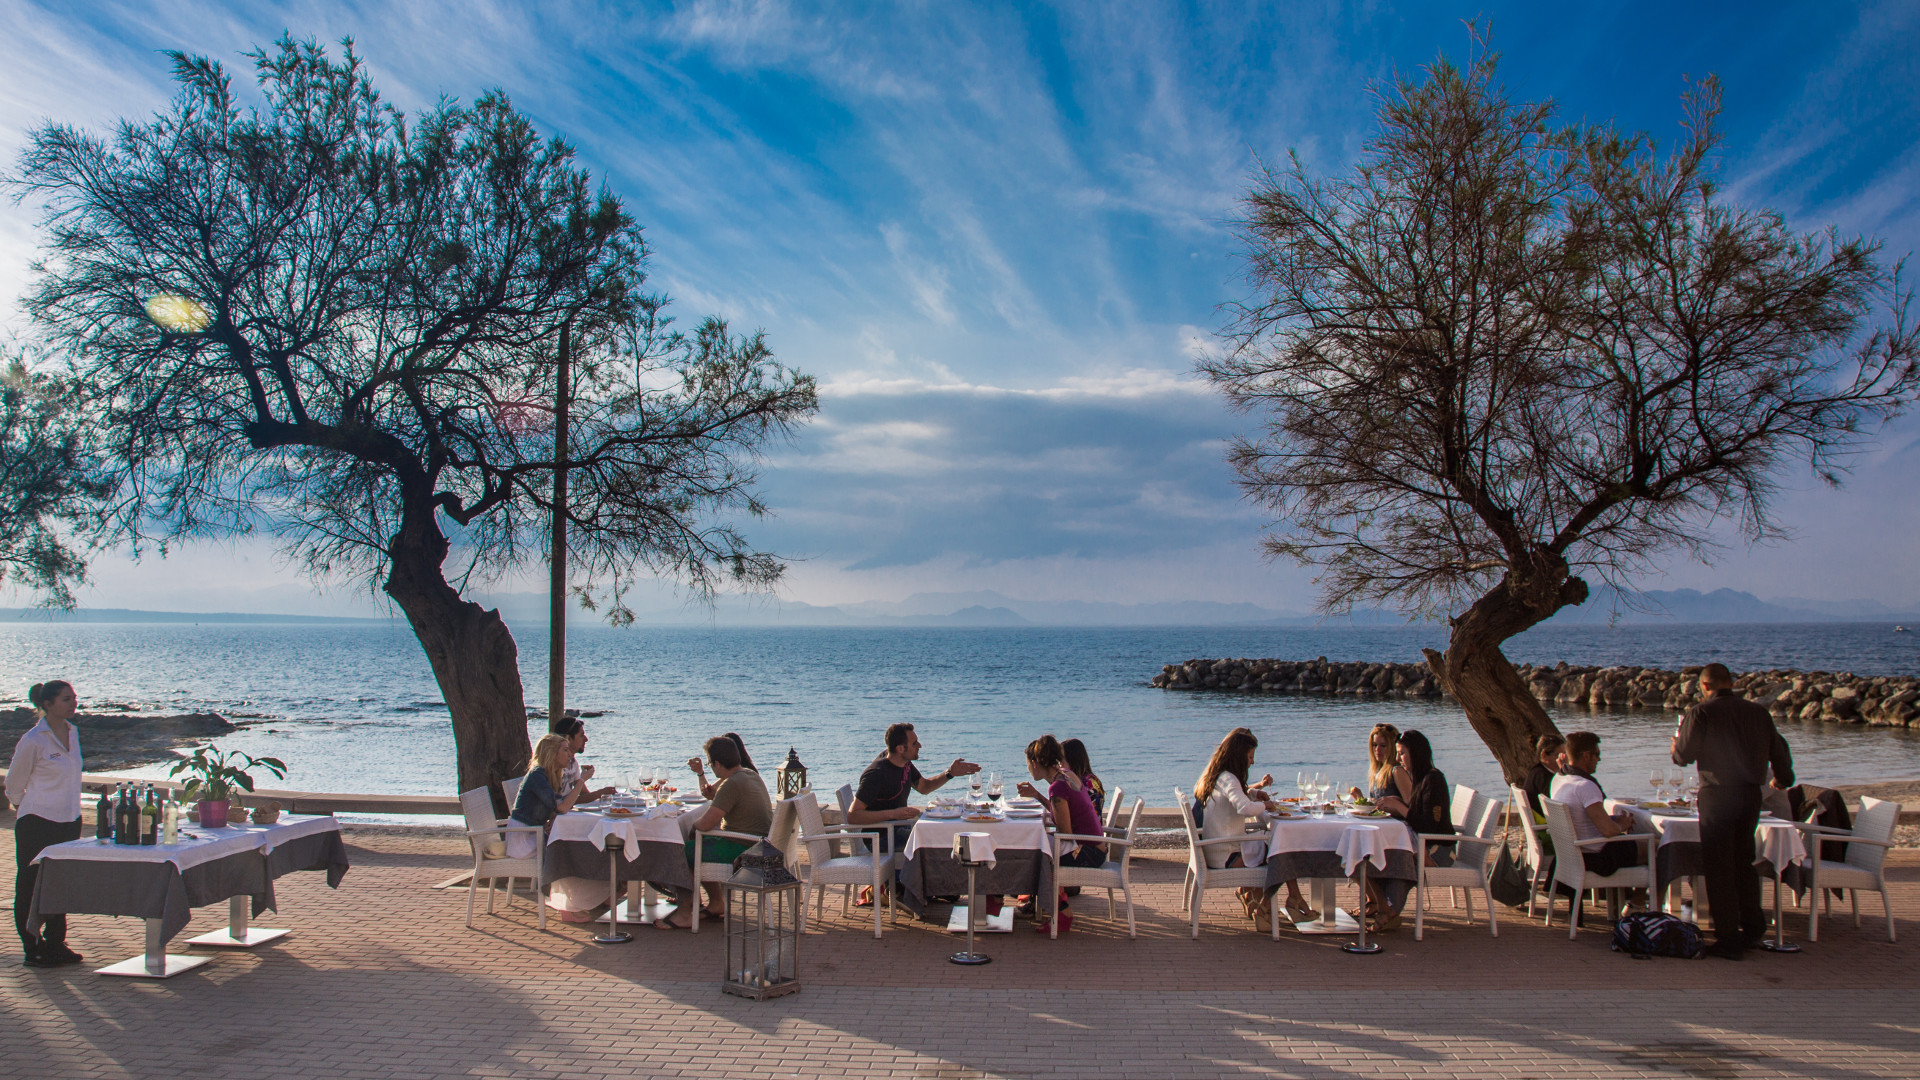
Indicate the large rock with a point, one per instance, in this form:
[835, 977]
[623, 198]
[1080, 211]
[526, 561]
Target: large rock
[110, 741]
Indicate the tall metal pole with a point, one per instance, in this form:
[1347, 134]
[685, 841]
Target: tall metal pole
[557, 582]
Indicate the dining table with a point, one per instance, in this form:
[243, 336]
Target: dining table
[1022, 859]
[163, 883]
[1296, 844]
[652, 853]
[1678, 855]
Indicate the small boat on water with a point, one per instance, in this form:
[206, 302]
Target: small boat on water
[1901, 630]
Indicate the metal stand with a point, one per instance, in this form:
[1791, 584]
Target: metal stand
[238, 935]
[614, 935]
[1779, 943]
[644, 907]
[969, 957]
[1332, 920]
[156, 962]
[1362, 946]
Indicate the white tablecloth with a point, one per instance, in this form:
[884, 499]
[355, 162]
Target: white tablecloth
[979, 846]
[1325, 834]
[1779, 843]
[206, 846]
[658, 825]
[1028, 833]
[1774, 837]
[1362, 842]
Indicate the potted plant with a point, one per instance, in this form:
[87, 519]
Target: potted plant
[212, 775]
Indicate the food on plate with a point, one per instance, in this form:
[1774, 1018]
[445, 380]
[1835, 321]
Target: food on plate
[618, 811]
[982, 817]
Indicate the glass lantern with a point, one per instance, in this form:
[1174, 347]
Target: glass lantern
[790, 779]
[762, 925]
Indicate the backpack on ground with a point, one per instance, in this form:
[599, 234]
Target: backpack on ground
[1655, 933]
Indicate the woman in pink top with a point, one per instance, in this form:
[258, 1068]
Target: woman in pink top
[1072, 810]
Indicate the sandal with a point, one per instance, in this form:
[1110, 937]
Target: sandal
[1262, 913]
[1301, 913]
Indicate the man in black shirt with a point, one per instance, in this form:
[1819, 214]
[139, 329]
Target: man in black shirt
[887, 783]
[1539, 782]
[1735, 742]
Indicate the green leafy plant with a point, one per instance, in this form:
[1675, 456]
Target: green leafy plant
[212, 773]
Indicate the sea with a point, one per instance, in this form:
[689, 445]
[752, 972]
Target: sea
[353, 707]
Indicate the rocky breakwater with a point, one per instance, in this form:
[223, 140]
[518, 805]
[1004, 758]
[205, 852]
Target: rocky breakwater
[110, 741]
[1320, 676]
[1845, 698]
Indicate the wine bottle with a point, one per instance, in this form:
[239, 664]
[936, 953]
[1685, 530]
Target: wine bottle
[150, 819]
[169, 821]
[103, 819]
[124, 821]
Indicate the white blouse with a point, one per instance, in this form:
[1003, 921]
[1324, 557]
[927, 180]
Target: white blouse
[44, 778]
[1226, 814]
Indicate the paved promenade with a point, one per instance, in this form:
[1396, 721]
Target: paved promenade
[380, 979]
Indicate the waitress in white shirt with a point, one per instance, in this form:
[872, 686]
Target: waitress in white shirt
[43, 784]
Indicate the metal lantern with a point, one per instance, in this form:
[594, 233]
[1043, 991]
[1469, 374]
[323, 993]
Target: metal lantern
[790, 779]
[762, 925]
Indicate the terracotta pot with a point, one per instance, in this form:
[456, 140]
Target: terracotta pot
[213, 815]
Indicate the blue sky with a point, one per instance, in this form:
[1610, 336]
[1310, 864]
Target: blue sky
[999, 233]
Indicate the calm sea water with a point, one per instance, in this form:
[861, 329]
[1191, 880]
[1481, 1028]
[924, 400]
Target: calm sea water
[354, 707]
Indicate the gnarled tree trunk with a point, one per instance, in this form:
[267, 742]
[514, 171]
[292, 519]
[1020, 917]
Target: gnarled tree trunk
[1498, 703]
[473, 656]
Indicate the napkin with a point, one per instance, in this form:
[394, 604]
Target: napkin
[974, 847]
[1359, 842]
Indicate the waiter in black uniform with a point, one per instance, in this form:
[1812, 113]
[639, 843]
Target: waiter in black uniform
[1734, 741]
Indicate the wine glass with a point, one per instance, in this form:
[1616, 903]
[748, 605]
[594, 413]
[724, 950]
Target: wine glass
[1659, 782]
[974, 784]
[995, 789]
[1302, 783]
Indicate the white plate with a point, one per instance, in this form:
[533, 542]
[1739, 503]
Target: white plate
[1024, 814]
[1023, 802]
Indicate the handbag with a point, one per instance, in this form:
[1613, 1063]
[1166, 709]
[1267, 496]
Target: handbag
[1508, 883]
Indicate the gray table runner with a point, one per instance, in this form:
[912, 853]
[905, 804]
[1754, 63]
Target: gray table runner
[934, 872]
[660, 863]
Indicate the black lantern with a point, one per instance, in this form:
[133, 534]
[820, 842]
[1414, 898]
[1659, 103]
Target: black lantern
[763, 905]
[790, 779]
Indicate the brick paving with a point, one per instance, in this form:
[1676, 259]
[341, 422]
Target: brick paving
[382, 979]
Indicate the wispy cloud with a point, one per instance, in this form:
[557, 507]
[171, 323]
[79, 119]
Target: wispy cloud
[1000, 233]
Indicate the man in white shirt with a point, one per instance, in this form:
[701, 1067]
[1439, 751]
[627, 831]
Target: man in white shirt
[1579, 790]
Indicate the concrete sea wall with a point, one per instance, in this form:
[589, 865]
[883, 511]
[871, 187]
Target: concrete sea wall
[1844, 698]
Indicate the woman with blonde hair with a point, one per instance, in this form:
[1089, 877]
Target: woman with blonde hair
[1225, 804]
[540, 800]
[43, 784]
[1384, 775]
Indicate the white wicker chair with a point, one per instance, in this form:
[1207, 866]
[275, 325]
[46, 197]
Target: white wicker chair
[824, 868]
[1113, 808]
[1478, 820]
[1864, 867]
[484, 830]
[511, 788]
[706, 872]
[1116, 874]
[1539, 863]
[1573, 873]
[1200, 877]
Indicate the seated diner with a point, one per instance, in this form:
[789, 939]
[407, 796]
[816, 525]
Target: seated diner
[740, 804]
[1225, 804]
[1422, 801]
[1071, 809]
[1582, 793]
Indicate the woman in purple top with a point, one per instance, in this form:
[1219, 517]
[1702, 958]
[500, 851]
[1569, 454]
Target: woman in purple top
[1072, 810]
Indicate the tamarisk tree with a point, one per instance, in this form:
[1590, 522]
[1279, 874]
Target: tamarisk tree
[316, 318]
[1501, 357]
[49, 485]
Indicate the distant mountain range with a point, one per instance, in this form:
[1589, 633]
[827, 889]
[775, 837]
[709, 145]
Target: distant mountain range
[662, 607]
